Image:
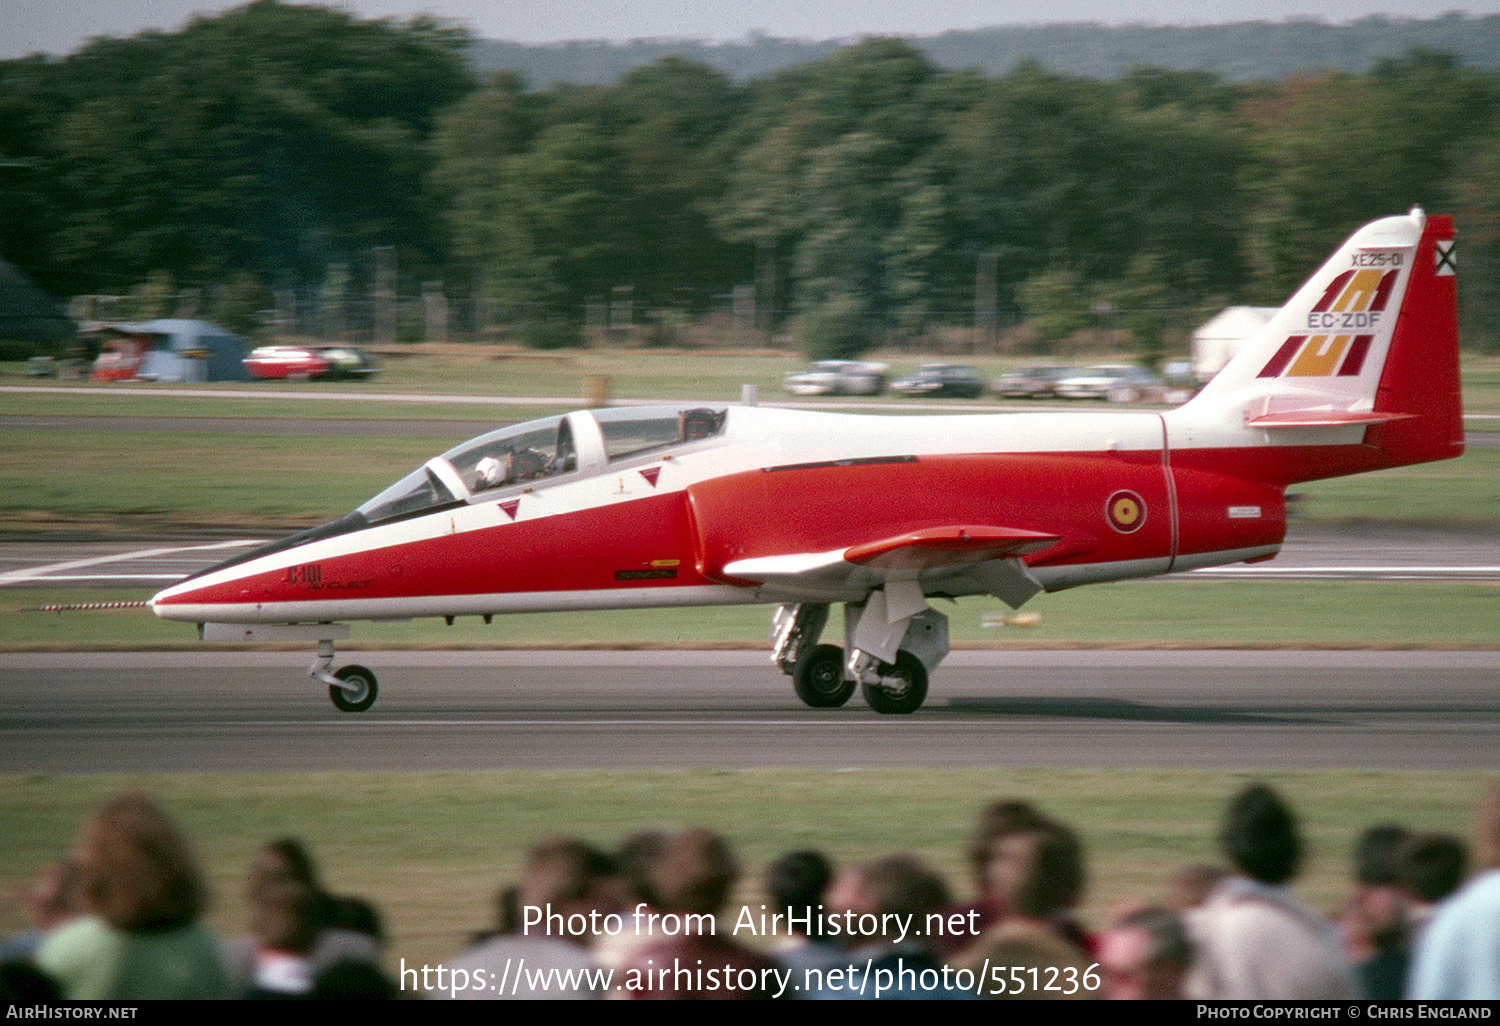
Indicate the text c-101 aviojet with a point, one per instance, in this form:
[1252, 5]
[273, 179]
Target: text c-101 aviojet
[708, 505]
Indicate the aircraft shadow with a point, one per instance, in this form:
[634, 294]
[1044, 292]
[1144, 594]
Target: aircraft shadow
[1084, 708]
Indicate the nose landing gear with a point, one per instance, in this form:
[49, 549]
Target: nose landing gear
[351, 688]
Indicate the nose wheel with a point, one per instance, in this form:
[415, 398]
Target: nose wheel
[356, 690]
[351, 688]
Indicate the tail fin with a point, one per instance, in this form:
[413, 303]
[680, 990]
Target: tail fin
[1365, 353]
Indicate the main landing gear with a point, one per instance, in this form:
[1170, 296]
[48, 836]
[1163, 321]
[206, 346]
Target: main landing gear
[889, 659]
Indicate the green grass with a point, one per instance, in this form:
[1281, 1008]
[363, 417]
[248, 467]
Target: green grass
[432, 848]
[229, 477]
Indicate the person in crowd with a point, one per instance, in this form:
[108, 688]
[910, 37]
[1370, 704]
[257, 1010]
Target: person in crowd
[1457, 957]
[1254, 939]
[507, 905]
[1374, 921]
[50, 902]
[1430, 868]
[796, 883]
[140, 936]
[634, 858]
[283, 881]
[567, 886]
[895, 959]
[284, 922]
[1037, 872]
[358, 916]
[987, 909]
[1145, 956]
[689, 881]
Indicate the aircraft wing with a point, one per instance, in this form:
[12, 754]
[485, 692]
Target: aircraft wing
[959, 559]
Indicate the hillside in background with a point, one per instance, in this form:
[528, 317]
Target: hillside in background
[1248, 51]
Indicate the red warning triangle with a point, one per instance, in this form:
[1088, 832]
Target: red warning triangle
[510, 506]
[651, 474]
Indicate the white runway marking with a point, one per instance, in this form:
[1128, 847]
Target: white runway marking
[1344, 572]
[51, 571]
[101, 577]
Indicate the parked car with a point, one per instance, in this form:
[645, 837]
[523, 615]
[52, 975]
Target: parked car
[936, 379]
[1181, 380]
[1032, 382]
[838, 377]
[1117, 382]
[348, 362]
[298, 363]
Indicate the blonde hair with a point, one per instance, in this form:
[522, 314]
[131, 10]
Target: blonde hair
[138, 872]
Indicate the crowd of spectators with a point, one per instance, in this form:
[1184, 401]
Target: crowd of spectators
[662, 916]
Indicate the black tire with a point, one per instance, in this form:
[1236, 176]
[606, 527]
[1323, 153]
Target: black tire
[818, 677]
[363, 698]
[907, 690]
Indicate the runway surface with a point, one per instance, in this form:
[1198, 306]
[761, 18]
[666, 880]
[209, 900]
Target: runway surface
[134, 712]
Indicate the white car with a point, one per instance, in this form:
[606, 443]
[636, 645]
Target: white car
[1117, 382]
[838, 377]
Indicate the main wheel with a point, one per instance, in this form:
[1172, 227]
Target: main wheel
[818, 677]
[902, 688]
[360, 696]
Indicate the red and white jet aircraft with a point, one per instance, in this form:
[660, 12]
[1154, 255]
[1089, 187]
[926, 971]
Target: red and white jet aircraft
[709, 505]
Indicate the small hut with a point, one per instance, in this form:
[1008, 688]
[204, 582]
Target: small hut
[171, 350]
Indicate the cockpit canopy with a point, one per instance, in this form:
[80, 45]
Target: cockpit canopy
[553, 447]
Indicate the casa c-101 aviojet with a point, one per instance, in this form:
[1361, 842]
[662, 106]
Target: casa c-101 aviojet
[647, 507]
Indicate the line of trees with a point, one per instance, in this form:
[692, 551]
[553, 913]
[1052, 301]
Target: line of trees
[868, 197]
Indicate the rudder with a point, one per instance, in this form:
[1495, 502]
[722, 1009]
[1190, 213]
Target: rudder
[1420, 381]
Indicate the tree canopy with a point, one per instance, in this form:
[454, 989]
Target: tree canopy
[866, 196]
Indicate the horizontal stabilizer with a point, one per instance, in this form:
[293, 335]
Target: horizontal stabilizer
[1323, 418]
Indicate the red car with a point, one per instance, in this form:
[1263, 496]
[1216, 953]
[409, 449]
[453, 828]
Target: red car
[295, 362]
